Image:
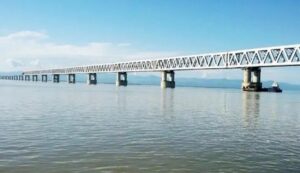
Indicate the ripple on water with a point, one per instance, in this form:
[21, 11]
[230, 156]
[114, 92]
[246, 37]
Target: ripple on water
[78, 128]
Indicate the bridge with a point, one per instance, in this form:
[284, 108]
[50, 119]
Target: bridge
[250, 61]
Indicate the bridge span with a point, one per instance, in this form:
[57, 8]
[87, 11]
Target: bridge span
[250, 61]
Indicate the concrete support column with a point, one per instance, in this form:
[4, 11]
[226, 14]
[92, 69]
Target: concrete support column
[247, 78]
[21, 77]
[256, 75]
[167, 79]
[34, 78]
[27, 78]
[55, 78]
[92, 79]
[256, 78]
[71, 78]
[44, 78]
[121, 79]
[254, 84]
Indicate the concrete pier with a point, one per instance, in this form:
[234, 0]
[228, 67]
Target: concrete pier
[121, 79]
[167, 79]
[55, 78]
[256, 78]
[27, 78]
[247, 78]
[71, 78]
[34, 78]
[21, 77]
[92, 79]
[252, 82]
[44, 78]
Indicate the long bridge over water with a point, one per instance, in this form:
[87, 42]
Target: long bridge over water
[250, 61]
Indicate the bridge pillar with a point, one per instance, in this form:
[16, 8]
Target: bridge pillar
[27, 78]
[247, 78]
[254, 84]
[256, 75]
[167, 79]
[21, 77]
[92, 79]
[121, 79]
[44, 78]
[34, 78]
[55, 78]
[71, 78]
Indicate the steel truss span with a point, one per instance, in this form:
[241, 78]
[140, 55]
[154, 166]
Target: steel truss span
[261, 57]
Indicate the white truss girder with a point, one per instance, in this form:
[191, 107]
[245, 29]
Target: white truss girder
[261, 57]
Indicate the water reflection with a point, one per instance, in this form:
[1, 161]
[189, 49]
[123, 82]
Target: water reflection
[251, 108]
[167, 101]
[145, 129]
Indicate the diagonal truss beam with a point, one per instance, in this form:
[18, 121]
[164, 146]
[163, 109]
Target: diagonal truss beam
[288, 55]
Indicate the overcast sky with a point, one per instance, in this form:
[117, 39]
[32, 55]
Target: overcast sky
[55, 33]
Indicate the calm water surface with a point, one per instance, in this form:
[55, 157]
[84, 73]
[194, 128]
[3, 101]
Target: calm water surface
[61, 128]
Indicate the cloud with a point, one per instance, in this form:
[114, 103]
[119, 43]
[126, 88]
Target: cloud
[14, 63]
[31, 50]
[26, 35]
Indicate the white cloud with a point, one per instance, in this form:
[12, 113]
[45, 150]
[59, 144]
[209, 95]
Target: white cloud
[26, 35]
[14, 63]
[30, 50]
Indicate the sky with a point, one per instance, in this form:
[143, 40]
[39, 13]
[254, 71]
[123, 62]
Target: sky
[37, 34]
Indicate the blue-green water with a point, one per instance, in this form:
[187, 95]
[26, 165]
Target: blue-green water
[78, 128]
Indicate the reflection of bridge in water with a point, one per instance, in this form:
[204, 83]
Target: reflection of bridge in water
[251, 107]
[250, 61]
